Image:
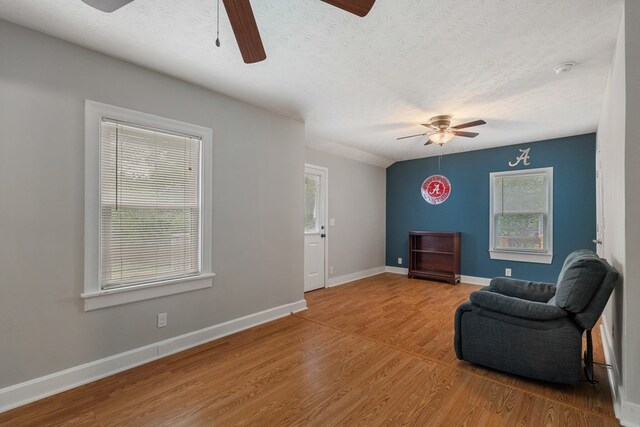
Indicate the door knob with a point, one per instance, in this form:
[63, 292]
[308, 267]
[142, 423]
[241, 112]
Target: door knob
[597, 241]
[323, 235]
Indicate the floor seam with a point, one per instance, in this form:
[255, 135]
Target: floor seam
[428, 359]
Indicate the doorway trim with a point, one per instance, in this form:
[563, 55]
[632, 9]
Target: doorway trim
[600, 220]
[324, 194]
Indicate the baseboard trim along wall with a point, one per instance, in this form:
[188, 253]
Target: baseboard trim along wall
[473, 280]
[627, 412]
[613, 373]
[341, 280]
[39, 388]
[396, 270]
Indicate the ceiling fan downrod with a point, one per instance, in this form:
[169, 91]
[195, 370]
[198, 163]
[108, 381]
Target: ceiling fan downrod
[218, 25]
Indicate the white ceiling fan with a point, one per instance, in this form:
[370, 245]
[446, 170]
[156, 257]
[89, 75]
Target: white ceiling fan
[442, 132]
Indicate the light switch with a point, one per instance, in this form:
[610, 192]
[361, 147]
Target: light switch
[332, 221]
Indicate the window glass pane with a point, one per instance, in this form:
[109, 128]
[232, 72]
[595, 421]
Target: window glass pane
[519, 231]
[311, 203]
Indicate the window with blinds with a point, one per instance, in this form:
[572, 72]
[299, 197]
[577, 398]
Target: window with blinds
[521, 211]
[150, 228]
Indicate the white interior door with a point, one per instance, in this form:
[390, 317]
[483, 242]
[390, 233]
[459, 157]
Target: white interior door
[599, 240]
[315, 205]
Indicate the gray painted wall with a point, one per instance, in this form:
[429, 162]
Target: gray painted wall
[357, 197]
[258, 161]
[632, 206]
[611, 145]
[618, 141]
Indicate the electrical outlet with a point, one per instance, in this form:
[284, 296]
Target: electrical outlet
[162, 320]
[399, 261]
[507, 272]
[331, 270]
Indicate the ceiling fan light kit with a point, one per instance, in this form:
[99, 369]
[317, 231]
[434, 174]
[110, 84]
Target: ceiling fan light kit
[243, 23]
[441, 137]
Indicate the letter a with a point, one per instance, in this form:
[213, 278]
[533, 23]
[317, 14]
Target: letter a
[524, 158]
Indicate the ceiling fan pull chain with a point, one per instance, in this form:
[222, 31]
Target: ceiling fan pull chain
[218, 25]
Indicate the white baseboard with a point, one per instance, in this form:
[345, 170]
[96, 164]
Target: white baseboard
[466, 279]
[473, 280]
[341, 280]
[396, 270]
[39, 388]
[613, 373]
[628, 413]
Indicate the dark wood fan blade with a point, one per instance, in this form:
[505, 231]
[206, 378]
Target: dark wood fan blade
[430, 126]
[246, 30]
[357, 7]
[411, 136]
[107, 5]
[470, 124]
[429, 142]
[466, 134]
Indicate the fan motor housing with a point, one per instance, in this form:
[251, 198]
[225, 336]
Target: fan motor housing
[441, 122]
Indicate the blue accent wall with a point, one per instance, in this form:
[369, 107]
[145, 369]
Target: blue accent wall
[467, 209]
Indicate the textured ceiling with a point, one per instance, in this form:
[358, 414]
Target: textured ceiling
[362, 82]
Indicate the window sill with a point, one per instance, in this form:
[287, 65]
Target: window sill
[540, 258]
[120, 296]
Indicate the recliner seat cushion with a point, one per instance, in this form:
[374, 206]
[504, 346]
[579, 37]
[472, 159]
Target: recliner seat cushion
[581, 275]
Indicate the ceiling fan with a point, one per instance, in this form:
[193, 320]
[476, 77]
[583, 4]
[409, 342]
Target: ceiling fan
[442, 132]
[243, 22]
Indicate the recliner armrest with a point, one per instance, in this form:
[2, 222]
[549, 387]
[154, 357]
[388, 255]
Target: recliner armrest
[532, 291]
[516, 306]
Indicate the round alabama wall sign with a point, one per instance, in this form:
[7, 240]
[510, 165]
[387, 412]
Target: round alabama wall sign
[436, 189]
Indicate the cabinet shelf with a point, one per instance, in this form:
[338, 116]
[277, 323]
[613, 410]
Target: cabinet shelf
[434, 255]
[432, 252]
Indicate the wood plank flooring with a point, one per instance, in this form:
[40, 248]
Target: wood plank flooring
[416, 316]
[374, 352]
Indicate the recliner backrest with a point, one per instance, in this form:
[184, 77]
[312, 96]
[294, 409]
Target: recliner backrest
[588, 317]
[580, 279]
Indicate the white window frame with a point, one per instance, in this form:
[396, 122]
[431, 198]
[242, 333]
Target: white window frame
[541, 257]
[95, 297]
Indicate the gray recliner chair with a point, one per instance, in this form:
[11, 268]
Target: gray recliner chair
[535, 329]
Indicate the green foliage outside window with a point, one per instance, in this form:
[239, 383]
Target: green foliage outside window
[311, 196]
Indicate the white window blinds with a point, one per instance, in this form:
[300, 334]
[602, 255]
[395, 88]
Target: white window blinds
[150, 205]
[521, 194]
[521, 208]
